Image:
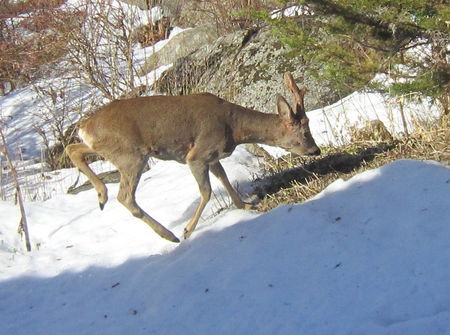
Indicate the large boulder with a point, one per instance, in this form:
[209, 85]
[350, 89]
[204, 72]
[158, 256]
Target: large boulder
[180, 46]
[245, 67]
[142, 4]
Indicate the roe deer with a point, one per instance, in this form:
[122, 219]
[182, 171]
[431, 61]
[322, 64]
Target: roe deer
[197, 130]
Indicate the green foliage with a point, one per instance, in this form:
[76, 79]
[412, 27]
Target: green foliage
[347, 65]
[430, 84]
[352, 40]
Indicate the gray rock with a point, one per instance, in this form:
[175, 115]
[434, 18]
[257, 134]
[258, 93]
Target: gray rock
[180, 46]
[146, 4]
[142, 4]
[245, 67]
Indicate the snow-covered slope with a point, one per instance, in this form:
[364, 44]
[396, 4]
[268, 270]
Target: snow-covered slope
[366, 256]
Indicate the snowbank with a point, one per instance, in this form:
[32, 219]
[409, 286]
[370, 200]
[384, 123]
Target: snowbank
[366, 256]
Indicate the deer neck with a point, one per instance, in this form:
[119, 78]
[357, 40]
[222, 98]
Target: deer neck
[250, 126]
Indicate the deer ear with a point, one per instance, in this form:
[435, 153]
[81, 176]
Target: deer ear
[283, 108]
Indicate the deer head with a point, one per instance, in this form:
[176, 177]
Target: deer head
[297, 137]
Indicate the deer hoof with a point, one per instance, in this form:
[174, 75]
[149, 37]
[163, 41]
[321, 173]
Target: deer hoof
[172, 238]
[101, 205]
[175, 240]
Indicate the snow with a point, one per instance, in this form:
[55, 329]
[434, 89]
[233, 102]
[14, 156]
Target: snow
[369, 255]
[330, 125]
[366, 256]
[291, 11]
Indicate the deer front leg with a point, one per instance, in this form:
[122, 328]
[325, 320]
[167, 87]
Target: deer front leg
[129, 178]
[200, 171]
[218, 170]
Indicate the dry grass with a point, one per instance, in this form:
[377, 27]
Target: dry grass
[295, 179]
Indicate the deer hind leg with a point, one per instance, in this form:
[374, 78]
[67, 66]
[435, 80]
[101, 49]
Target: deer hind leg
[76, 153]
[218, 170]
[200, 170]
[130, 173]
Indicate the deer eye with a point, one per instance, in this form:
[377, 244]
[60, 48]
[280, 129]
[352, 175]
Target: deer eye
[306, 134]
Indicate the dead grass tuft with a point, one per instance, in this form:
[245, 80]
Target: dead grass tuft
[290, 180]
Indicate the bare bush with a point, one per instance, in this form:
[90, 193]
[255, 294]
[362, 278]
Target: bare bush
[30, 38]
[102, 50]
[61, 102]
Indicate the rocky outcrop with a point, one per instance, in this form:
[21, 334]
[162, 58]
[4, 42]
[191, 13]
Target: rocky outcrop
[180, 46]
[247, 68]
[142, 4]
